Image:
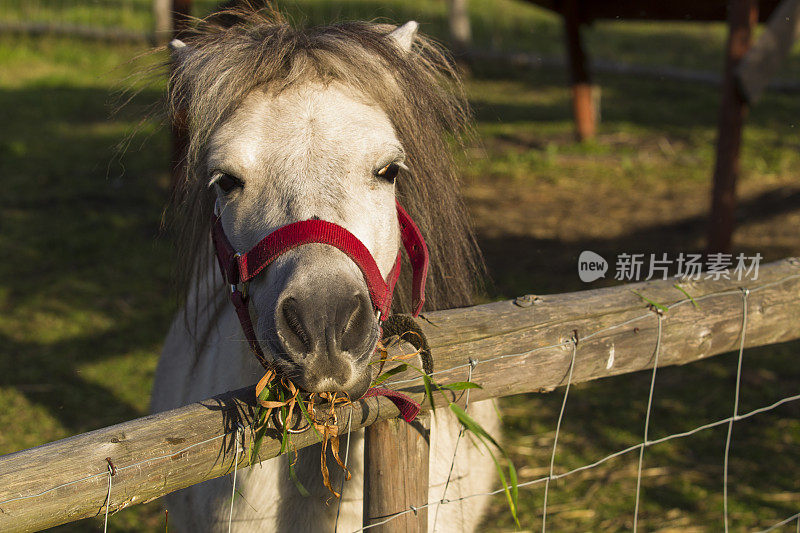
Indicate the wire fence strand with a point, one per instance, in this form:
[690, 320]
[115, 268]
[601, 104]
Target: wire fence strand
[773, 527]
[745, 293]
[461, 429]
[108, 496]
[558, 430]
[660, 316]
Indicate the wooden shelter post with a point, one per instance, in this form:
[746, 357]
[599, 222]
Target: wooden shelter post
[460, 29]
[396, 457]
[742, 18]
[162, 20]
[583, 102]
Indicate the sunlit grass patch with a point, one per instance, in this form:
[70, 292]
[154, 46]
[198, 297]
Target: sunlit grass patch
[25, 422]
[135, 368]
[58, 323]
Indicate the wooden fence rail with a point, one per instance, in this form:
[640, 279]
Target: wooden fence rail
[521, 345]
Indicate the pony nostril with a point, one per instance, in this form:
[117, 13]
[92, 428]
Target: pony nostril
[350, 311]
[296, 335]
[356, 328]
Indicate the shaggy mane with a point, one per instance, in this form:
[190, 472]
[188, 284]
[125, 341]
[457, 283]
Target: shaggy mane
[236, 51]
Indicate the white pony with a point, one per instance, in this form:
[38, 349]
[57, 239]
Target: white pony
[285, 125]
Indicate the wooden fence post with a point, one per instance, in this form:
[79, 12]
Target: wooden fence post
[460, 30]
[584, 104]
[742, 18]
[396, 456]
[162, 16]
[170, 18]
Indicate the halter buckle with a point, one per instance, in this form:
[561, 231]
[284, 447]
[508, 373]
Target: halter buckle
[240, 287]
[233, 269]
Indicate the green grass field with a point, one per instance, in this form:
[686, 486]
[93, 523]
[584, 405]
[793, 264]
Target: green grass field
[85, 294]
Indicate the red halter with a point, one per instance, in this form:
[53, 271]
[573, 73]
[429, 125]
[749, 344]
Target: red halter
[239, 268]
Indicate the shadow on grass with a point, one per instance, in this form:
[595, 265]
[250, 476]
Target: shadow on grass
[519, 263]
[84, 277]
[47, 375]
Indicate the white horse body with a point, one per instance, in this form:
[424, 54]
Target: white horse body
[311, 136]
[269, 499]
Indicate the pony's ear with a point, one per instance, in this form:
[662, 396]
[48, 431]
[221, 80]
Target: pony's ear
[404, 35]
[178, 49]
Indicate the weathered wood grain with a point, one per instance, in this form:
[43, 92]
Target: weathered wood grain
[517, 349]
[396, 474]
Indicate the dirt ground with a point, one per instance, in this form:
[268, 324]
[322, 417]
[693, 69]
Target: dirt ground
[541, 227]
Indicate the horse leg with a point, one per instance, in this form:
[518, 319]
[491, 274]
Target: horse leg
[473, 470]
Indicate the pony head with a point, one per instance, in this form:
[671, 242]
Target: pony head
[335, 124]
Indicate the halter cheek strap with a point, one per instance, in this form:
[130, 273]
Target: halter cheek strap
[417, 252]
[239, 268]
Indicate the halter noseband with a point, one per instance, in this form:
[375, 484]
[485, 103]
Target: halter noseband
[239, 268]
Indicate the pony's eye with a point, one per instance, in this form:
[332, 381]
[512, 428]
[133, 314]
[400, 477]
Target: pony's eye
[226, 182]
[389, 172]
